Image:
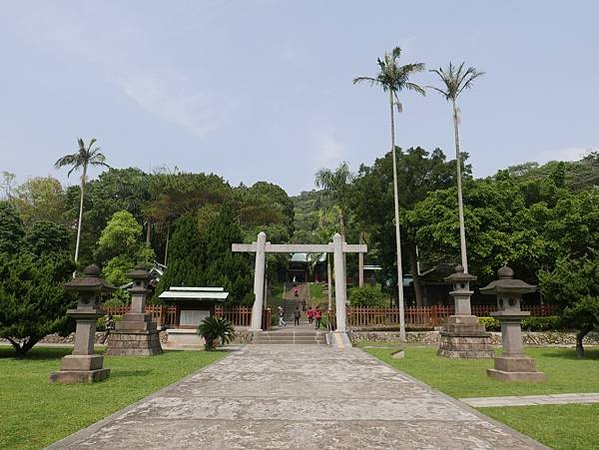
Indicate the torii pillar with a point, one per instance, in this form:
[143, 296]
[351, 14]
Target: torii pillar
[259, 269]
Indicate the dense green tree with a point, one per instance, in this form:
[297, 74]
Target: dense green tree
[86, 156]
[573, 285]
[41, 198]
[186, 255]
[120, 248]
[11, 228]
[122, 235]
[33, 302]
[46, 237]
[114, 190]
[224, 268]
[420, 173]
[306, 216]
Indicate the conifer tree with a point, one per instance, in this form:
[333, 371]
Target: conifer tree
[186, 256]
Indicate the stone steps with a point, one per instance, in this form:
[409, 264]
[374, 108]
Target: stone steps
[304, 337]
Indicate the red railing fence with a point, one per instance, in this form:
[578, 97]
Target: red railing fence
[418, 317]
[425, 316]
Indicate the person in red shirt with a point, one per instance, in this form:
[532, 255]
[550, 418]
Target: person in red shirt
[317, 316]
[310, 314]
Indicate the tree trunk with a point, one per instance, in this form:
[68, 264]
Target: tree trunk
[21, 349]
[168, 233]
[402, 321]
[459, 176]
[148, 232]
[80, 213]
[417, 285]
[579, 337]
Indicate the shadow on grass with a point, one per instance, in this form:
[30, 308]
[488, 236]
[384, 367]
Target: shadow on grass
[36, 354]
[589, 354]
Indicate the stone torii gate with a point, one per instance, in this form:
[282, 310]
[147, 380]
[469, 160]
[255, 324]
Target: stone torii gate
[338, 247]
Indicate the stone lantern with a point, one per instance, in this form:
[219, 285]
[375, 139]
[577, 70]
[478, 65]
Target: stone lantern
[512, 365]
[83, 365]
[463, 336]
[136, 334]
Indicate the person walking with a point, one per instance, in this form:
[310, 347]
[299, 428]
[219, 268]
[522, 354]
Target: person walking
[304, 305]
[281, 313]
[310, 314]
[317, 316]
[296, 316]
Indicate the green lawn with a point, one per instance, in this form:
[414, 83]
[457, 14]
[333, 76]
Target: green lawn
[558, 426]
[467, 377]
[35, 413]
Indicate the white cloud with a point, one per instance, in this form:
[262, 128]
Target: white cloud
[330, 150]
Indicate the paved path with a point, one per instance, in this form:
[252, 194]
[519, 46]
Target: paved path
[531, 400]
[298, 397]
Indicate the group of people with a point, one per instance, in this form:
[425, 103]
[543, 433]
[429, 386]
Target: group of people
[314, 315]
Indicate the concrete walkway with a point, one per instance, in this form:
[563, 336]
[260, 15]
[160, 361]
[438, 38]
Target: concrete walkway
[530, 400]
[298, 397]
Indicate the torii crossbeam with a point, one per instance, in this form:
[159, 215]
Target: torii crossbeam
[338, 247]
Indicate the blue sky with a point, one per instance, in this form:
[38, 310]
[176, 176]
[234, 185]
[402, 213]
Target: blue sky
[261, 89]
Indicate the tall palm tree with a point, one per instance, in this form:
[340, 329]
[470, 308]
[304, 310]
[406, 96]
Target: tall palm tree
[336, 185]
[86, 156]
[455, 80]
[395, 79]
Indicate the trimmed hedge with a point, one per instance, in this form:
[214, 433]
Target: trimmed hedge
[549, 323]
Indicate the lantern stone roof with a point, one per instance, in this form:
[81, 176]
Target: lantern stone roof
[459, 276]
[90, 281]
[139, 273]
[507, 284]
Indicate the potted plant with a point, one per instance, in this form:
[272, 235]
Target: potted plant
[214, 329]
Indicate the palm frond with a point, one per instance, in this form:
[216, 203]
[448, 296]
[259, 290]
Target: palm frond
[360, 79]
[414, 87]
[455, 79]
[393, 77]
[86, 155]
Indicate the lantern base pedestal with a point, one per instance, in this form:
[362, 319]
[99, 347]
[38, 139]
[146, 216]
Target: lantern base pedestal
[134, 343]
[464, 337]
[135, 335]
[515, 368]
[80, 369]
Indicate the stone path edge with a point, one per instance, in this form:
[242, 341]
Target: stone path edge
[578, 398]
[97, 425]
[467, 407]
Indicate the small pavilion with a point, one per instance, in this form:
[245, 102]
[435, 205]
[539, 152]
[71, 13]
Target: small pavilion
[192, 305]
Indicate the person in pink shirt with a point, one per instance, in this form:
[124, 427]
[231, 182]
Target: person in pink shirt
[317, 316]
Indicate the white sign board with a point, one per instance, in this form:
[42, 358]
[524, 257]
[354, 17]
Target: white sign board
[193, 317]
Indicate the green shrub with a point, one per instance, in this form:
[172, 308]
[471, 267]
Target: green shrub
[549, 323]
[490, 323]
[216, 329]
[368, 296]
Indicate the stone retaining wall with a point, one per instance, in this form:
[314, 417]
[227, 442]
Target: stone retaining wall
[549, 338]
[242, 336]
